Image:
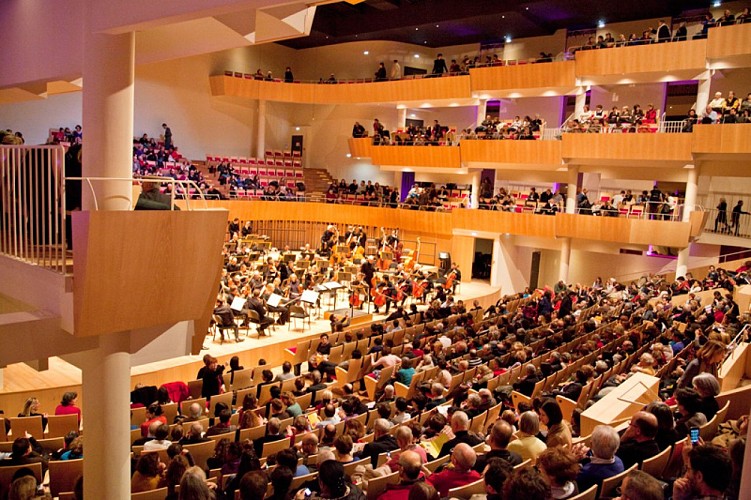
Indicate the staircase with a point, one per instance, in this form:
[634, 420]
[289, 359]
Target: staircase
[317, 181]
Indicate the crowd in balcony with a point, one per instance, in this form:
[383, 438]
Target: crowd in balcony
[654, 204]
[625, 119]
[66, 135]
[363, 193]
[10, 138]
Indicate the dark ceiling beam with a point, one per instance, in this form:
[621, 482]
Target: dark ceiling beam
[412, 15]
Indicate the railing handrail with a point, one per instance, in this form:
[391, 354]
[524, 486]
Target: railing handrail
[166, 180]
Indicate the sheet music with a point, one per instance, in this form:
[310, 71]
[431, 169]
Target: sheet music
[238, 303]
[332, 285]
[274, 300]
[309, 297]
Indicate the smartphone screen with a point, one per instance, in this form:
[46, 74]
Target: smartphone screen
[694, 433]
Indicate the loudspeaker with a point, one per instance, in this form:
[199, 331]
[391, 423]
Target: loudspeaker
[534, 271]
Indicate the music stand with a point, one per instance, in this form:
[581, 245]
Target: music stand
[309, 297]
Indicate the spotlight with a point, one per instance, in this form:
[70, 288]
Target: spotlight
[601, 23]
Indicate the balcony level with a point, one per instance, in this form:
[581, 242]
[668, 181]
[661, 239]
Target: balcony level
[622, 230]
[720, 150]
[726, 47]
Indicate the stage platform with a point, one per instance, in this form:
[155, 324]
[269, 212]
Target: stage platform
[20, 381]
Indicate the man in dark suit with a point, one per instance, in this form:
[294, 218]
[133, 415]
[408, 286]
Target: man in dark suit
[526, 385]
[255, 303]
[638, 442]
[382, 442]
[272, 434]
[460, 428]
[439, 65]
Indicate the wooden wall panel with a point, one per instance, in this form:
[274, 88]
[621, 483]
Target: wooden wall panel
[624, 148]
[417, 156]
[424, 89]
[142, 269]
[658, 57]
[524, 76]
[504, 222]
[463, 254]
[722, 139]
[729, 41]
[621, 230]
[546, 153]
[361, 147]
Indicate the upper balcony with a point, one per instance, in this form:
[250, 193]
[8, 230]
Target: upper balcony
[448, 89]
[525, 80]
[657, 62]
[726, 47]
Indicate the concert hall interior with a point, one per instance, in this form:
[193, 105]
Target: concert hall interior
[538, 188]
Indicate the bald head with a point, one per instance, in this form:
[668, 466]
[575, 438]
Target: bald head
[459, 421]
[195, 410]
[404, 436]
[500, 435]
[463, 457]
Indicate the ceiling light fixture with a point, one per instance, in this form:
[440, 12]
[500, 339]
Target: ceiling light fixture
[601, 23]
[366, 52]
[507, 38]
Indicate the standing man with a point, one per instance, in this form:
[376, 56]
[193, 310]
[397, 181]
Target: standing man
[167, 136]
[736, 217]
[439, 66]
[396, 71]
[722, 216]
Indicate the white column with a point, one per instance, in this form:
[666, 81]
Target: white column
[581, 100]
[482, 110]
[108, 63]
[261, 129]
[401, 118]
[565, 260]
[692, 187]
[496, 261]
[475, 198]
[106, 406]
[689, 202]
[702, 95]
[398, 181]
[573, 179]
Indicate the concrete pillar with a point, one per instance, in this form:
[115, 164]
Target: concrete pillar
[692, 187]
[573, 179]
[474, 200]
[261, 129]
[689, 202]
[108, 64]
[702, 95]
[482, 110]
[398, 181]
[581, 100]
[401, 118]
[565, 259]
[106, 389]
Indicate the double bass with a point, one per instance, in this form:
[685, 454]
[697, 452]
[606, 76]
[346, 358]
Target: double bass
[410, 266]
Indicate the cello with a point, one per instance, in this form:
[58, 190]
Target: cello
[450, 280]
[413, 261]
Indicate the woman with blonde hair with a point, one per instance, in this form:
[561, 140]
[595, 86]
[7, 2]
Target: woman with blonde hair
[526, 444]
[708, 360]
[31, 409]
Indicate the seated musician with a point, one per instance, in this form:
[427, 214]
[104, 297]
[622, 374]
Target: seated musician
[384, 294]
[294, 288]
[454, 273]
[357, 252]
[256, 281]
[226, 318]
[282, 309]
[257, 304]
[404, 286]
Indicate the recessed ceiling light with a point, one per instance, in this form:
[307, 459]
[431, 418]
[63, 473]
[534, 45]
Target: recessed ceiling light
[417, 29]
[365, 52]
[349, 155]
[437, 26]
[508, 38]
[601, 23]
[417, 56]
[527, 8]
[503, 17]
[425, 41]
[717, 4]
[297, 129]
